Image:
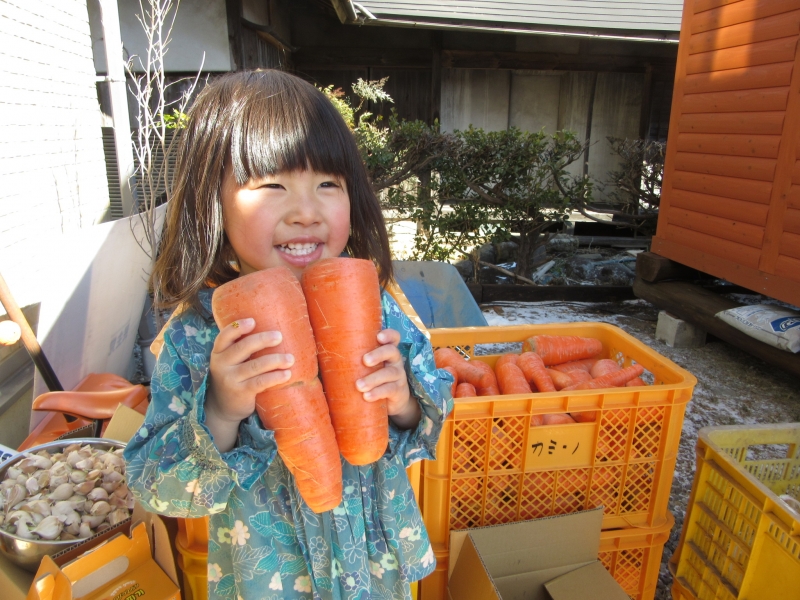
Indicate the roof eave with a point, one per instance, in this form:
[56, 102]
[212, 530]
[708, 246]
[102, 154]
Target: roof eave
[358, 15]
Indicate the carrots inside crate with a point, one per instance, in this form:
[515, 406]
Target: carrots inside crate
[529, 454]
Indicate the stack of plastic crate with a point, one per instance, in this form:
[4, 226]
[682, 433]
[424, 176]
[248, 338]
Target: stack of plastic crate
[493, 467]
[741, 535]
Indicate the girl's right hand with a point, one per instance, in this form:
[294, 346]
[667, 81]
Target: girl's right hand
[235, 379]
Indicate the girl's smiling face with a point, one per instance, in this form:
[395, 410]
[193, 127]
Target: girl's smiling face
[289, 219]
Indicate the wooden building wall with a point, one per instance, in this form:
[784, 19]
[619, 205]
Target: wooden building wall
[730, 202]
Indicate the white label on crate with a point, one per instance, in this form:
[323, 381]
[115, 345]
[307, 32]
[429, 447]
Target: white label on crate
[560, 446]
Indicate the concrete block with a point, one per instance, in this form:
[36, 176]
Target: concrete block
[677, 333]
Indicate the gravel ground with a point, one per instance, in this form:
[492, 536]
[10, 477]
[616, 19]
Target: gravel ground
[732, 386]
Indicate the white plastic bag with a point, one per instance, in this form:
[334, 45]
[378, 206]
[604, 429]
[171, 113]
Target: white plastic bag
[773, 325]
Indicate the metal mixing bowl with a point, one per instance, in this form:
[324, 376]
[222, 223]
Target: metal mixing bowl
[28, 553]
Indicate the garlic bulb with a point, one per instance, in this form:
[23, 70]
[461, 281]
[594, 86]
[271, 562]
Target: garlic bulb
[69, 494]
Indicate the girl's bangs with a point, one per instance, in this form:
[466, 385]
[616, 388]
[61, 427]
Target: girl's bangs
[290, 130]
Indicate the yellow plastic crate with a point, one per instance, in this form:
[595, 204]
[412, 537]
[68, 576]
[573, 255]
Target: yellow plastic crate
[632, 556]
[493, 467]
[680, 593]
[739, 540]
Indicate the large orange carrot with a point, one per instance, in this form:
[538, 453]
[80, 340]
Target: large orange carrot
[560, 380]
[295, 411]
[576, 365]
[465, 390]
[616, 379]
[557, 419]
[579, 376]
[636, 381]
[344, 306]
[589, 416]
[556, 349]
[512, 358]
[604, 367]
[512, 380]
[466, 370]
[488, 384]
[535, 372]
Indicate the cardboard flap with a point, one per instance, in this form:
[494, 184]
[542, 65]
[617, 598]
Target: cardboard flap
[50, 583]
[591, 581]
[470, 579]
[123, 424]
[136, 551]
[541, 544]
[530, 585]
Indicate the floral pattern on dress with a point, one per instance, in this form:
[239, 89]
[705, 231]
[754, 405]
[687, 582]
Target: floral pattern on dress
[264, 540]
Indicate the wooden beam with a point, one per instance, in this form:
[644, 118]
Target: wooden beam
[233, 9]
[652, 268]
[323, 57]
[436, 77]
[541, 293]
[550, 61]
[697, 306]
[612, 241]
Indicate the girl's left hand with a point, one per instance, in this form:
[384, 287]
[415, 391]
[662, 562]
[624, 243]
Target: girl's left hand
[389, 382]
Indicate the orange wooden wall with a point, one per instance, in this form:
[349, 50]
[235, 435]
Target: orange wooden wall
[730, 202]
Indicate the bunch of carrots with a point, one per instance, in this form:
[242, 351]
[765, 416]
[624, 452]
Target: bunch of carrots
[548, 363]
[328, 322]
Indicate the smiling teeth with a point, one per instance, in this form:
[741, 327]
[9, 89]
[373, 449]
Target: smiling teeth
[298, 249]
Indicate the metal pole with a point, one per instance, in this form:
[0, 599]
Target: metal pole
[28, 339]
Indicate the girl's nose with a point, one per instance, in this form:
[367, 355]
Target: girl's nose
[305, 210]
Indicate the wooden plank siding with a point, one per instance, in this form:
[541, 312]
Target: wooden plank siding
[730, 202]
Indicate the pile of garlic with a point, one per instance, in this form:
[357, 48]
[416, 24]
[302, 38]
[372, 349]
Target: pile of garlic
[66, 495]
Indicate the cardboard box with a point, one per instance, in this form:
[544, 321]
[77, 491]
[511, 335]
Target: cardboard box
[122, 567]
[554, 558]
[16, 582]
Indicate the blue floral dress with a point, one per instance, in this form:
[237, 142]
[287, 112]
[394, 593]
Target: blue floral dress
[264, 541]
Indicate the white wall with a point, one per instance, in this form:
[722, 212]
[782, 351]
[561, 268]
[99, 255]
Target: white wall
[52, 168]
[201, 26]
[549, 101]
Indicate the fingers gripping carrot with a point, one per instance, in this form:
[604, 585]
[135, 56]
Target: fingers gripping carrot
[556, 349]
[344, 307]
[636, 381]
[296, 410]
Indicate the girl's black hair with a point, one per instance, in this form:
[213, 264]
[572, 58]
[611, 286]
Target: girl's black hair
[260, 123]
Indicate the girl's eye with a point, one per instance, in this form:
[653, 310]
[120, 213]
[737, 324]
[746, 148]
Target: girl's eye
[272, 186]
[329, 184]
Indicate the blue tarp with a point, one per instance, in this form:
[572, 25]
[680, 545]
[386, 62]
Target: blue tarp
[438, 294]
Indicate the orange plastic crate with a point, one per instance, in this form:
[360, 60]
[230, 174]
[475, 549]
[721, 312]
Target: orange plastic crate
[632, 556]
[492, 467]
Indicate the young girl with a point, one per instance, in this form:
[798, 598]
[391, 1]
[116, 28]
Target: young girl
[269, 175]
